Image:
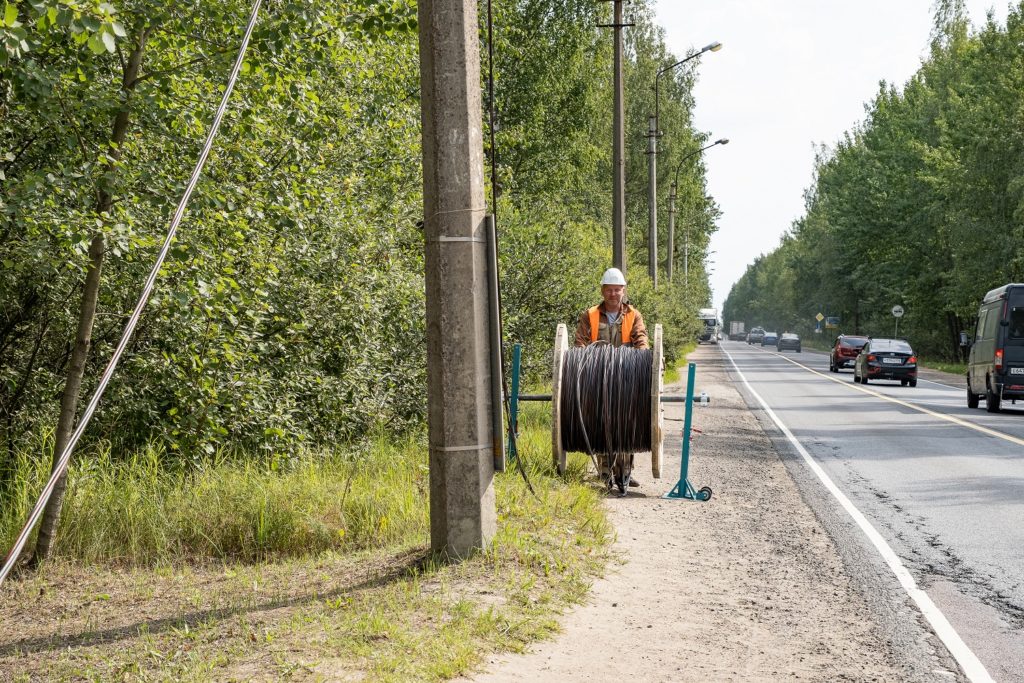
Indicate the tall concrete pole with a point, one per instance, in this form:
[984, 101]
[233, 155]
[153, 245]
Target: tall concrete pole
[618, 156]
[462, 508]
[670, 259]
[686, 258]
[652, 199]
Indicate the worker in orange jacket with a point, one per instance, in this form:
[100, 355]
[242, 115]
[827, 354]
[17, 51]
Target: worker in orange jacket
[613, 320]
[616, 322]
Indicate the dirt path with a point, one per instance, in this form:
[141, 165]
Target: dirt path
[745, 587]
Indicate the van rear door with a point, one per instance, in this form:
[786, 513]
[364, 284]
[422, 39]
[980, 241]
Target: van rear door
[1013, 336]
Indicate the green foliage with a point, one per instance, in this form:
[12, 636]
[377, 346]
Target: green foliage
[919, 207]
[289, 316]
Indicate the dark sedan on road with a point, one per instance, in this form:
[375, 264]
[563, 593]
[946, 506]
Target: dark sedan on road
[844, 351]
[769, 339]
[886, 359]
[789, 341]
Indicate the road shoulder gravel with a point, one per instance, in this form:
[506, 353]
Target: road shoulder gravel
[748, 586]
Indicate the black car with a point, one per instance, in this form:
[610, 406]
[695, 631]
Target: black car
[769, 339]
[789, 341]
[886, 359]
[755, 335]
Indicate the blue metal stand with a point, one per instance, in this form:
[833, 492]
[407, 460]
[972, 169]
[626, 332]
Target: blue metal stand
[513, 404]
[683, 488]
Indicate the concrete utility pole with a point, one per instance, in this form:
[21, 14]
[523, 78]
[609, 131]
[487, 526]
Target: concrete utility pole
[618, 148]
[652, 200]
[462, 509]
[669, 265]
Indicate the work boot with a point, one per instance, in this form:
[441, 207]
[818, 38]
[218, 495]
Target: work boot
[633, 482]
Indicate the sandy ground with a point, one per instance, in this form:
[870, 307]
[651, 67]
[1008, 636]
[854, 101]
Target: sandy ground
[745, 587]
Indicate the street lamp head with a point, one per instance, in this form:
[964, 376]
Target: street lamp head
[722, 141]
[712, 47]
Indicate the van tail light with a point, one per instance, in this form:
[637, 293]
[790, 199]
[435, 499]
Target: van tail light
[871, 357]
[912, 360]
[999, 359]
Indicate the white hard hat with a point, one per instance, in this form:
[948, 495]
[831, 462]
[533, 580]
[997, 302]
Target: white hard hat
[613, 276]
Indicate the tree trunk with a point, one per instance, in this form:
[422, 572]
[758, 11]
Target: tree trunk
[86, 316]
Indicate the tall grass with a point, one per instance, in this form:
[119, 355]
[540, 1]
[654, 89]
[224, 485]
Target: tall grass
[151, 510]
[143, 510]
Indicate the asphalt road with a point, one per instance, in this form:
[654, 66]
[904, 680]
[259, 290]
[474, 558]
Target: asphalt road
[942, 485]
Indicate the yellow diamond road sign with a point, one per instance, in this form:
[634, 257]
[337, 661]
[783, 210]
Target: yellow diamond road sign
[819, 317]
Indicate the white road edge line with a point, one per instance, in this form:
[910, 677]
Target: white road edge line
[968, 661]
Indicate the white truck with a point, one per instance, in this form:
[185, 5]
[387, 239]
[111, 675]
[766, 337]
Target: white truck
[737, 330]
[712, 329]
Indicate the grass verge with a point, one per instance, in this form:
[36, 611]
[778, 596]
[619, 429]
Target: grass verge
[133, 599]
[942, 366]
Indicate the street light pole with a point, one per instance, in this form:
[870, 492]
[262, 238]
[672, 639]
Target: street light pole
[653, 133]
[669, 260]
[652, 200]
[671, 217]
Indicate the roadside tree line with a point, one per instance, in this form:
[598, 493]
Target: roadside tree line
[922, 205]
[290, 315]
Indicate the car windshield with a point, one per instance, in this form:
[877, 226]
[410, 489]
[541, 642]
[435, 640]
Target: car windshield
[854, 343]
[790, 336]
[897, 345]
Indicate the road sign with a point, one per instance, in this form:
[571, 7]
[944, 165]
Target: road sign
[897, 311]
[819, 317]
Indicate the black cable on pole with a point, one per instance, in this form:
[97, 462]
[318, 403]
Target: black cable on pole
[490, 112]
[494, 212]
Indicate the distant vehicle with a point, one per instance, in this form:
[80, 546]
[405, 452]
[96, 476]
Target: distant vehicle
[737, 330]
[769, 339]
[886, 359]
[844, 351]
[755, 335]
[995, 364]
[712, 328]
[790, 341]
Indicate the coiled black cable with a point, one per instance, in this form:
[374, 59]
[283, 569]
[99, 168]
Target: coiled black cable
[606, 400]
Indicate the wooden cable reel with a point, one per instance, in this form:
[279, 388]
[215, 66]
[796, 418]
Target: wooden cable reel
[557, 376]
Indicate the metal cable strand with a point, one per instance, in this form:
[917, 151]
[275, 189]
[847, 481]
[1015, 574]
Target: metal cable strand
[65, 456]
[606, 400]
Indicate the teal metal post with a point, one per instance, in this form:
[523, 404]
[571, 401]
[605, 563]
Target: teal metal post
[683, 488]
[513, 404]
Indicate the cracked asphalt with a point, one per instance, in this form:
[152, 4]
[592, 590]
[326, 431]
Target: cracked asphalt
[943, 485]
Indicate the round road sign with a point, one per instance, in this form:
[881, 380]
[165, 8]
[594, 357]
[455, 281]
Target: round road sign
[897, 311]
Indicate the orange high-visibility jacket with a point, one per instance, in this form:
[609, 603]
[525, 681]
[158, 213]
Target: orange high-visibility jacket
[627, 323]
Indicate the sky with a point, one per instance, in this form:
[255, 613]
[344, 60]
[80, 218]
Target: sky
[791, 74]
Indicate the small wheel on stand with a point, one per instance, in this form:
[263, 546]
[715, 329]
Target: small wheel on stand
[704, 493]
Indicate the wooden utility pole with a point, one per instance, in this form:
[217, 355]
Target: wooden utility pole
[462, 507]
[618, 148]
[652, 200]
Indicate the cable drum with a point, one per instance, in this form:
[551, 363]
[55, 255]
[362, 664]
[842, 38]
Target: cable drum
[606, 400]
[606, 407]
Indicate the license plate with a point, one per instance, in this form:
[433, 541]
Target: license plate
[1017, 371]
[893, 361]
